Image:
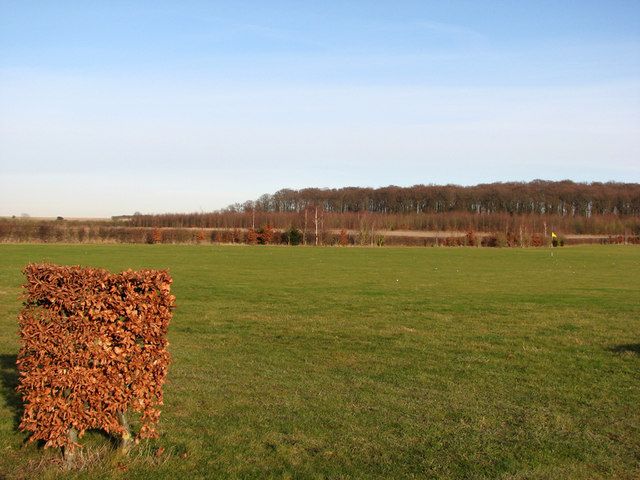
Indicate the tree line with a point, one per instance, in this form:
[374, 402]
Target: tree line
[576, 208]
[565, 198]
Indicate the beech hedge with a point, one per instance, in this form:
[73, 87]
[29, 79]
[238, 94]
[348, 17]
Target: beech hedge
[94, 346]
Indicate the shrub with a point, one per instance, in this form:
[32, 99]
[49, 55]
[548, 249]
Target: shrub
[471, 239]
[237, 236]
[537, 240]
[344, 238]
[494, 240]
[265, 235]
[94, 345]
[489, 241]
[292, 236]
[252, 237]
[155, 236]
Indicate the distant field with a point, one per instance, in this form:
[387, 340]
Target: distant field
[372, 363]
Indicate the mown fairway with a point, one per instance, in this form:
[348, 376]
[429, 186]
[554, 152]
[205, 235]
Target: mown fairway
[373, 363]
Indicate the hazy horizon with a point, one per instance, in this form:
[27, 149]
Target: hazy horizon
[108, 109]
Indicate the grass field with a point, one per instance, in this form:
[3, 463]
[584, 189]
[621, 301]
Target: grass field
[372, 363]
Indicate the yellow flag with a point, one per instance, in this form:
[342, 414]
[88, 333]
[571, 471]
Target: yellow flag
[553, 235]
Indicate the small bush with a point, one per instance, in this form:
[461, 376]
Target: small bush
[344, 238]
[537, 240]
[94, 345]
[292, 236]
[264, 235]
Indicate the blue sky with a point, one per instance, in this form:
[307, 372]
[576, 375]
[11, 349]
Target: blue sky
[112, 107]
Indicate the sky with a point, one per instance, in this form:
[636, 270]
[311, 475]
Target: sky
[108, 108]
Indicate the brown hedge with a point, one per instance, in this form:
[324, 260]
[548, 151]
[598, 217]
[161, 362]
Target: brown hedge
[94, 345]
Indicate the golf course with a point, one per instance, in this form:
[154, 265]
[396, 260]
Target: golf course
[302, 362]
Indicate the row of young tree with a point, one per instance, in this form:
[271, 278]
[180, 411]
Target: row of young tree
[516, 235]
[451, 221]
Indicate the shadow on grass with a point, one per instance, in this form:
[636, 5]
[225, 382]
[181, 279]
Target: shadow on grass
[627, 348]
[8, 384]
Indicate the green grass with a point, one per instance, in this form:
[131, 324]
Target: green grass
[372, 363]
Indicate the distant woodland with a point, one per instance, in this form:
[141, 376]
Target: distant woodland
[564, 198]
[578, 208]
[495, 214]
